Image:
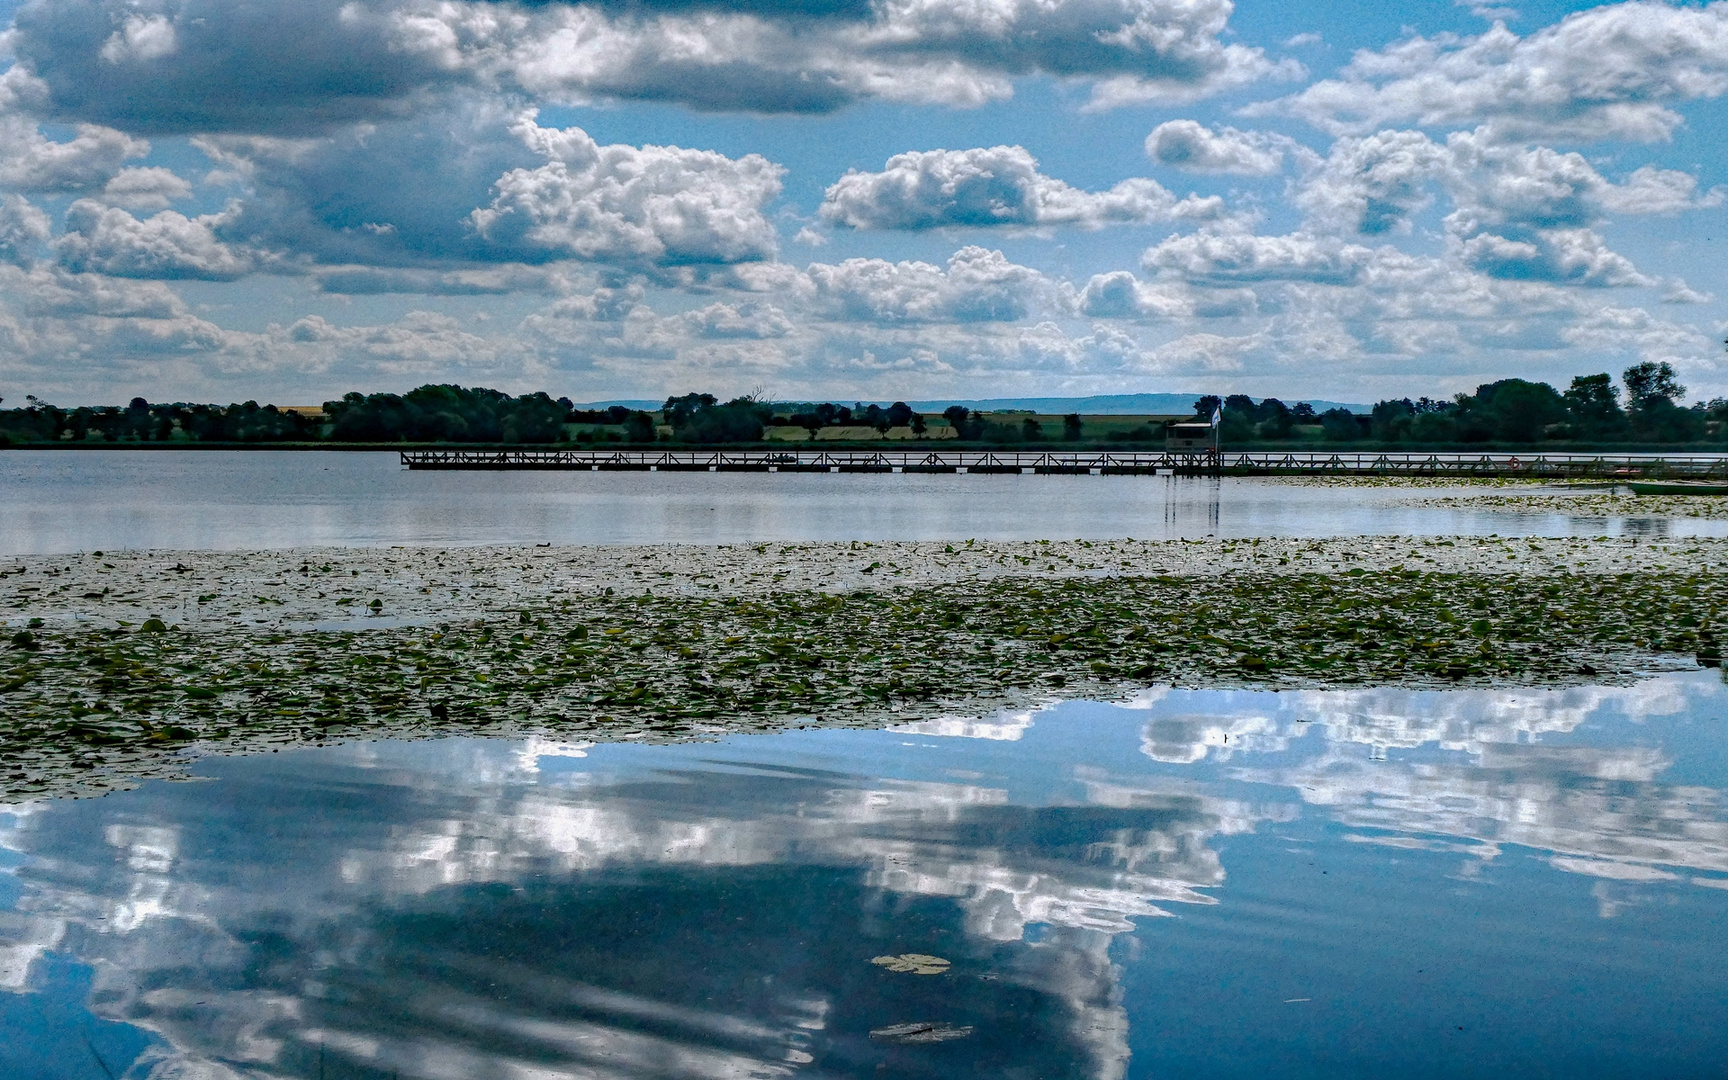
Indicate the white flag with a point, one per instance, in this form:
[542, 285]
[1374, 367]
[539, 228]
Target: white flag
[1217, 416]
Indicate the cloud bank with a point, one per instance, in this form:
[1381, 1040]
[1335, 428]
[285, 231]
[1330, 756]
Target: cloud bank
[260, 198]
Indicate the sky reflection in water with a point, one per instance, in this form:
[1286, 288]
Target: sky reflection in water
[1348, 883]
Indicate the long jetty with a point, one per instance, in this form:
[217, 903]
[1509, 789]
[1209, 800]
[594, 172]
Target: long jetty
[1084, 462]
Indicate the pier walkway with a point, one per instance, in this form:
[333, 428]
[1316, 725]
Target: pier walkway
[1084, 462]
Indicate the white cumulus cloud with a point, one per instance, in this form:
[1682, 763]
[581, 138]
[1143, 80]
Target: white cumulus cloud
[1373, 185]
[23, 230]
[1531, 213]
[1236, 256]
[1120, 295]
[108, 240]
[151, 188]
[143, 37]
[1189, 145]
[746, 320]
[995, 186]
[1612, 72]
[977, 285]
[1573, 256]
[30, 161]
[649, 205]
[954, 52]
[192, 66]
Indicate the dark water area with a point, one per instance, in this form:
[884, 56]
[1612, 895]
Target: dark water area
[1364, 883]
[64, 501]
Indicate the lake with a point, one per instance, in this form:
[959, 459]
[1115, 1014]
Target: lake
[1365, 883]
[61, 501]
[1315, 884]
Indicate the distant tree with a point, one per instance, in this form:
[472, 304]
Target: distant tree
[1647, 382]
[919, 427]
[1340, 425]
[967, 424]
[1071, 427]
[1715, 416]
[1652, 406]
[900, 414]
[638, 427]
[1662, 421]
[1302, 413]
[1235, 426]
[431, 413]
[1205, 406]
[1391, 420]
[533, 418]
[1593, 407]
[1275, 419]
[810, 421]
[679, 410]
[612, 414]
[140, 425]
[1513, 410]
[1434, 425]
[1031, 429]
[700, 418]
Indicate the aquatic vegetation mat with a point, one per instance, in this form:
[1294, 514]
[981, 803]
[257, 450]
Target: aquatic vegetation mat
[85, 709]
[1592, 504]
[365, 588]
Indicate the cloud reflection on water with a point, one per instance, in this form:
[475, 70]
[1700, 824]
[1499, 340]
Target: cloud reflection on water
[1604, 810]
[472, 908]
[866, 868]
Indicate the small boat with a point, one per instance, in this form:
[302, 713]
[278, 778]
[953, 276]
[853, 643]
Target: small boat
[1676, 487]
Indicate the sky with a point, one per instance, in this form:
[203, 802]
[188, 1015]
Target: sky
[284, 200]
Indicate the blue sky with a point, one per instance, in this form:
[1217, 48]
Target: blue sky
[916, 199]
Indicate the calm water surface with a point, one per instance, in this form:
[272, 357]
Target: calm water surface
[1369, 883]
[82, 500]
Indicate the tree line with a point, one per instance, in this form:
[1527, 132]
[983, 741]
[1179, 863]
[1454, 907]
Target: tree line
[1588, 412]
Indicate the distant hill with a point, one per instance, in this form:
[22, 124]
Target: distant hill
[629, 403]
[1108, 404]
[1101, 405]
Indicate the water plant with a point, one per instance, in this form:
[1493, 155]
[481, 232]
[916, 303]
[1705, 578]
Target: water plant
[88, 709]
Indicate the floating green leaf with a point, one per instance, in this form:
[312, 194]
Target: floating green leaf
[912, 963]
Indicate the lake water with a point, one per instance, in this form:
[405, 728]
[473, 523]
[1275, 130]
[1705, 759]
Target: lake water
[1371, 883]
[55, 501]
[1364, 883]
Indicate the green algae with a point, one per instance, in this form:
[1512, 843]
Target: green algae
[96, 709]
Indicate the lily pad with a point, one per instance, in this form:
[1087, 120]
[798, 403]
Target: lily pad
[913, 963]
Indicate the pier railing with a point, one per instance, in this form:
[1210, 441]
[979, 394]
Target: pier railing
[1085, 462]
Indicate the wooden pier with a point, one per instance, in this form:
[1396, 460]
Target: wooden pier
[1084, 462]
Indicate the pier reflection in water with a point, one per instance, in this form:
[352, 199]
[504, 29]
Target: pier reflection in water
[59, 501]
[1352, 883]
